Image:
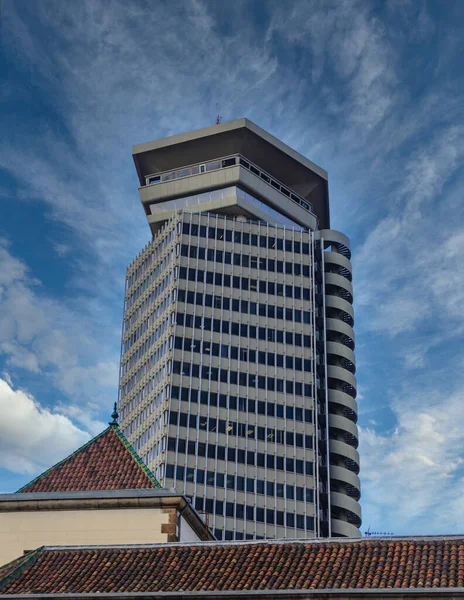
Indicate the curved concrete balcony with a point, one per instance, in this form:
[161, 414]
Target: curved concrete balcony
[345, 400]
[345, 476]
[337, 349]
[344, 450]
[338, 239]
[342, 375]
[344, 529]
[340, 304]
[346, 503]
[340, 282]
[341, 422]
[340, 327]
[335, 258]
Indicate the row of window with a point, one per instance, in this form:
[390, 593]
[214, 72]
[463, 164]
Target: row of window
[150, 300]
[253, 513]
[144, 368]
[236, 353]
[244, 330]
[159, 243]
[148, 303]
[245, 260]
[244, 430]
[272, 384]
[129, 406]
[143, 285]
[150, 432]
[227, 534]
[220, 164]
[224, 303]
[244, 283]
[149, 386]
[248, 239]
[253, 459]
[271, 409]
[187, 171]
[263, 310]
[252, 485]
[128, 362]
[159, 289]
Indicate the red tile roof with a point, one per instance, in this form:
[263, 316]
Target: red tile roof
[321, 565]
[107, 462]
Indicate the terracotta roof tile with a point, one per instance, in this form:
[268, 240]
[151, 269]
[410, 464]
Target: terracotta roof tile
[350, 564]
[107, 462]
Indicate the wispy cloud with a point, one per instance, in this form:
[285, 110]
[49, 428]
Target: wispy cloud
[417, 247]
[413, 475]
[55, 338]
[364, 89]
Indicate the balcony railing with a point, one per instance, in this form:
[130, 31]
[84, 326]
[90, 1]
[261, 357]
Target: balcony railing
[222, 163]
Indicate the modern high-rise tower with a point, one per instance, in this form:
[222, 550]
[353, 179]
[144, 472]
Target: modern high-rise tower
[237, 378]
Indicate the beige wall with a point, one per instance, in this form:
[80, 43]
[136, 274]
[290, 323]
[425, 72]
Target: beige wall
[27, 530]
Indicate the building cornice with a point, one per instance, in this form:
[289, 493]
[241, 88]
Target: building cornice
[108, 500]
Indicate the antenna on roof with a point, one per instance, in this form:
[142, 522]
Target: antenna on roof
[115, 415]
[218, 118]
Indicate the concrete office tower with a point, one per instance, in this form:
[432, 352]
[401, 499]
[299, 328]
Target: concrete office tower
[237, 378]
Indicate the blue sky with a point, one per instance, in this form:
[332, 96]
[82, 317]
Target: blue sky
[369, 90]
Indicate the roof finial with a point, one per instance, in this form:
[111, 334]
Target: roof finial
[115, 415]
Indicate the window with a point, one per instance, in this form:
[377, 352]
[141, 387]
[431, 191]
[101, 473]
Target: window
[228, 162]
[201, 449]
[290, 520]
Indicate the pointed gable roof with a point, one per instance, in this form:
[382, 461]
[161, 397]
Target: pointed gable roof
[107, 462]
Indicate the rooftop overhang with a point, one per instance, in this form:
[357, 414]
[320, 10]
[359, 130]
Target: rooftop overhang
[238, 137]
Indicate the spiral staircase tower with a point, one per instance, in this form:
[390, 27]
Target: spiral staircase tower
[340, 489]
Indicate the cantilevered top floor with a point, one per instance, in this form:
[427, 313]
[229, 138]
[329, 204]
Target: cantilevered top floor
[240, 142]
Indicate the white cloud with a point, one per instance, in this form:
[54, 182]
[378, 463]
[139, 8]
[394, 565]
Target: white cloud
[413, 477]
[33, 438]
[75, 350]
